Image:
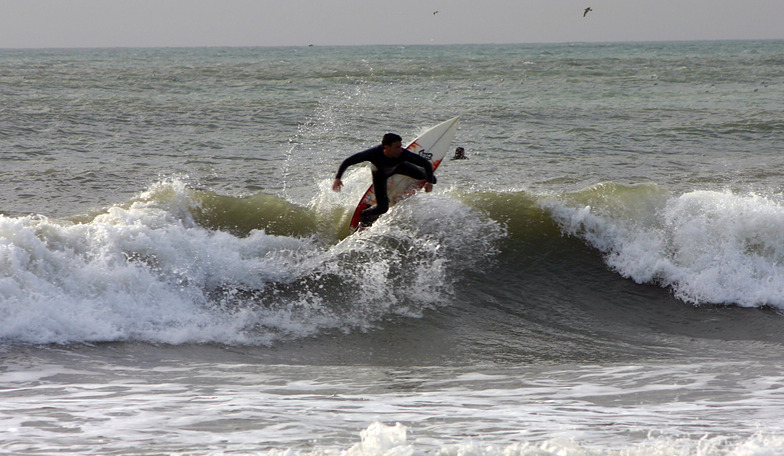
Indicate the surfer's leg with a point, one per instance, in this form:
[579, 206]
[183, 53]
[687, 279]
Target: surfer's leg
[411, 170]
[370, 214]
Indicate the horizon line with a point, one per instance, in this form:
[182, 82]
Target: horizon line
[314, 45]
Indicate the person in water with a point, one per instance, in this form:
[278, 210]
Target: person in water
[459, 154]
[387, 159]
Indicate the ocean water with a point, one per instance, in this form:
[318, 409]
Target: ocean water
[604, 275]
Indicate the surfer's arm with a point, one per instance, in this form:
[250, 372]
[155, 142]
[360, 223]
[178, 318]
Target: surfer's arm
[424, 163]
[359, 157]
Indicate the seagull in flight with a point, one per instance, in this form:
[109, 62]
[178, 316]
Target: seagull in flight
[435, 12]
[587, 10]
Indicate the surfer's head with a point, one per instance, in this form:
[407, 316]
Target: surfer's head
[390, 138]
[392, 143]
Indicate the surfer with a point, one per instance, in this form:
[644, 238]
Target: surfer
[387, 159]
[459, 154]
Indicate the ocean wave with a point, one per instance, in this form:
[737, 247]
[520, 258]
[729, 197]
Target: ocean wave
[176, 265]
[709, 247]
[180, 265]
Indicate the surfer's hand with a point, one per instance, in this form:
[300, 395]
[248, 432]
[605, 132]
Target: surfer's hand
[337, 184]
[428, 187]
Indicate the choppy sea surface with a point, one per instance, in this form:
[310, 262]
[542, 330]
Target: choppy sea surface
[604, 275]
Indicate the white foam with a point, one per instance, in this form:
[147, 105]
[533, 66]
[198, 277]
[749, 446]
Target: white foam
[383, 440]
[138, 272]
[710, 247]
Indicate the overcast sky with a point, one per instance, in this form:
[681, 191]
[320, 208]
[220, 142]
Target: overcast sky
[143, 23]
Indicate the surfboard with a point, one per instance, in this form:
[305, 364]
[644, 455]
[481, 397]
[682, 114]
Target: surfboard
[433, 145]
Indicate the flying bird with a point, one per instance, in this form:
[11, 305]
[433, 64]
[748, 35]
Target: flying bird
[586, 11]
[435, 12]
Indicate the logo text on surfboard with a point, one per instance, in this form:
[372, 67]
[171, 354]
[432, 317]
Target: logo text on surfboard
[417, 149]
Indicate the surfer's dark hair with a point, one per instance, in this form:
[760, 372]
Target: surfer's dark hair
[390, 138]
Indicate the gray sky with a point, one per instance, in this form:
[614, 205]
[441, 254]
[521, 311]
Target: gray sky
[142, 23]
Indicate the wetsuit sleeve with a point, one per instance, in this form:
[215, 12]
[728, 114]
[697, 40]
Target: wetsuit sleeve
[420, 161]
[353, 160]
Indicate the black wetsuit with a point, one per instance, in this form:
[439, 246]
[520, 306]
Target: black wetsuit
[408, 164]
